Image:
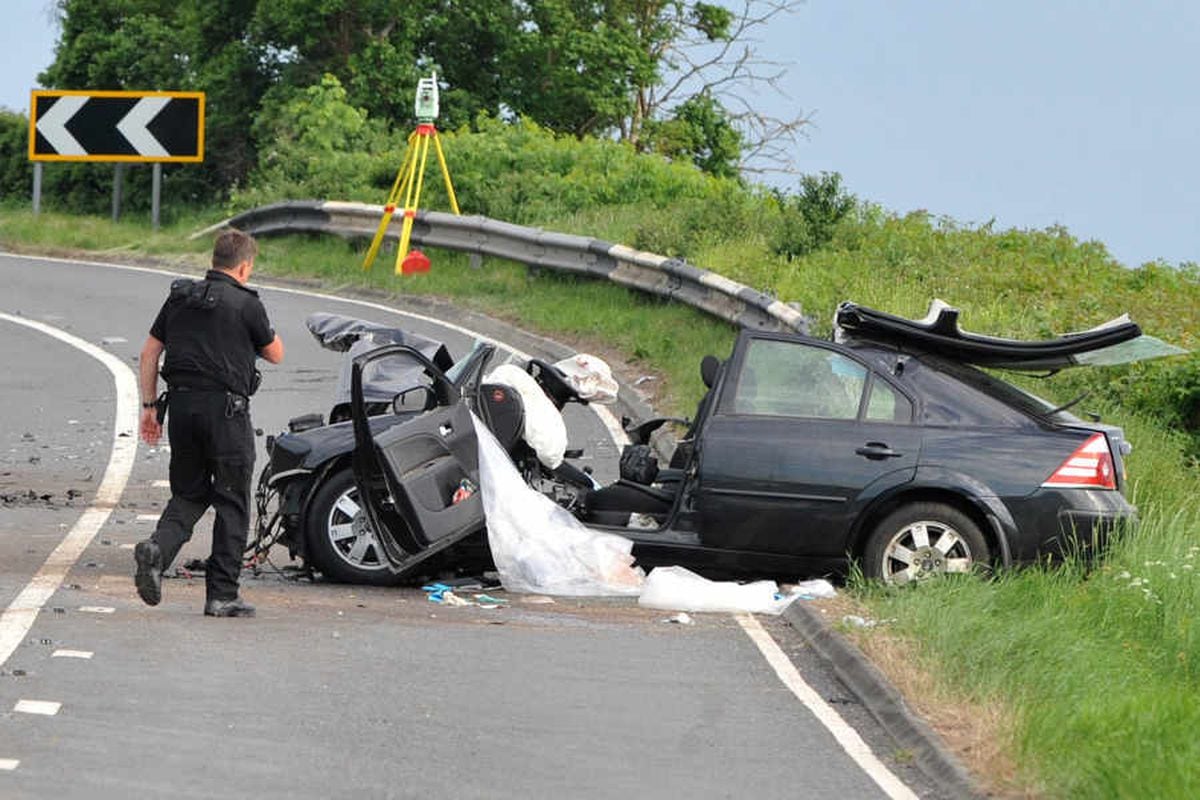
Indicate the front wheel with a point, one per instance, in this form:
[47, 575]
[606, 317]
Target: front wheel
[342, 544]
[922, 540]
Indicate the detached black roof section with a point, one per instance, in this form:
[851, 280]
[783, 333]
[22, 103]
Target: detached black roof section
[1118, 341]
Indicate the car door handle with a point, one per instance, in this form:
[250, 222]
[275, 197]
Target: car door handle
[877, 451]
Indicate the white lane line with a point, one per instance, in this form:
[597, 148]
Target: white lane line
[606, 417]
[18, 618]
[846, 736]
[72, 654]
[97, 609]
[47, 708]
[9, 764]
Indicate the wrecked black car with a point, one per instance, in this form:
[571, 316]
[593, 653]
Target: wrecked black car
[307, 499]
[887, 445]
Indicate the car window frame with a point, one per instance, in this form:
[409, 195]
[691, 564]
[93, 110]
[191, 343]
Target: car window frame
[731, 379]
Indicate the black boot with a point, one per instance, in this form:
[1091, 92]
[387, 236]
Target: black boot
[148, 577]
[237, 607]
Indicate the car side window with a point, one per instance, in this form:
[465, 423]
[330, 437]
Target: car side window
[792, 379]
[887, 405]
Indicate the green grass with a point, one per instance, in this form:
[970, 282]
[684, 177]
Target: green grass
[1100, 665]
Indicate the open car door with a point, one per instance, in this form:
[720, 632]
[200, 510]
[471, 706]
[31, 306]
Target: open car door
[409, 475]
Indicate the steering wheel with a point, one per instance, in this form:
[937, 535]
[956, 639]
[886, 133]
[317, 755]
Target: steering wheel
[553, 383]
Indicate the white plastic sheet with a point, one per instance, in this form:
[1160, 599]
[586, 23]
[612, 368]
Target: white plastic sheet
[545, 430]
[537, 546]
[680, 589]
[590, 376]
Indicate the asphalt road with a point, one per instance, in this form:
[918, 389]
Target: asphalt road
[337, 691]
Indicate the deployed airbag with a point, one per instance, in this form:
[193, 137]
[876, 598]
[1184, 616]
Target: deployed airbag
[545, 430]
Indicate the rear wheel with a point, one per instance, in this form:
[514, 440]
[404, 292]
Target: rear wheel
[341, 541]
[922, 540]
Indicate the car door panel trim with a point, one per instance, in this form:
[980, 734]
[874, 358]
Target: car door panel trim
[777, 495]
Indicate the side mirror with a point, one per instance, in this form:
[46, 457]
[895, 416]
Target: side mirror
[709, 367]
[414, 398]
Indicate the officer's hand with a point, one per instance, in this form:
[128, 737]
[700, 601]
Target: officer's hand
[151, 430]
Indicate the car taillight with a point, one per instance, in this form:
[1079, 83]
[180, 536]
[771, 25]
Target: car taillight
[1089, 467]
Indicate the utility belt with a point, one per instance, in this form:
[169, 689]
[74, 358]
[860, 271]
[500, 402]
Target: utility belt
[235, 404]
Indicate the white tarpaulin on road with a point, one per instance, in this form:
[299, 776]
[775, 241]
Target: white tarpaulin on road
[537, 546]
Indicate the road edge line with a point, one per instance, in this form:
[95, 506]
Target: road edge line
[19, 617]
[841, 730]
[883, 702]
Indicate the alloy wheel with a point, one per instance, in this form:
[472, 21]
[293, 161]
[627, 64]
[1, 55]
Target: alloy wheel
[351, 534]
[923, 549]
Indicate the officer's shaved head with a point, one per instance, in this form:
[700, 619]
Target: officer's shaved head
[232, 248]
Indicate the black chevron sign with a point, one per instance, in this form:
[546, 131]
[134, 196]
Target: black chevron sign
[116, 126]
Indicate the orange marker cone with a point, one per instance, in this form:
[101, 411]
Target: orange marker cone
[415, 261]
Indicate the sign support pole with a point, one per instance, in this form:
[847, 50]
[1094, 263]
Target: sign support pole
[37, 188]
[118, 181]
[156, 194]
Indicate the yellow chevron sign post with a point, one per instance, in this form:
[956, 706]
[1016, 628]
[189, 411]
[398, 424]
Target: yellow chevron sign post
[120, 127]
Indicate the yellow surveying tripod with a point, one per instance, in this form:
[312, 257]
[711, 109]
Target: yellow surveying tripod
[411, 176]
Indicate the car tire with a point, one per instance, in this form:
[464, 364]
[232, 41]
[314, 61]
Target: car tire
[919, 541]
[340, 541]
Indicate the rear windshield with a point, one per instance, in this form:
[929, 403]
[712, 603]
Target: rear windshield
[999, 389]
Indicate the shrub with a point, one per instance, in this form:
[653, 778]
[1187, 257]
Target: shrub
[811, 216]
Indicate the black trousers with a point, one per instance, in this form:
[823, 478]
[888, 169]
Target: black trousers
[212, 459]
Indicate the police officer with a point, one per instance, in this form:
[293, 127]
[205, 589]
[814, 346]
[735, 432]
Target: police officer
[211, 331]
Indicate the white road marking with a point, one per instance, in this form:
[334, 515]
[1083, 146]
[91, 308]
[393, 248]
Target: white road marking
[47, 708]
[846, 736]
[85, 654]
[148, 517]
[9, 764]
[97, 609]
[18, 618]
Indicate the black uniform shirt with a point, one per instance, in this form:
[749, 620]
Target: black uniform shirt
[212, 329]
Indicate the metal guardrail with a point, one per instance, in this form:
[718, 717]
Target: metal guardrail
[667, 277]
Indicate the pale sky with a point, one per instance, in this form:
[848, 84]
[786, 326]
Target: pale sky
[1082, 113]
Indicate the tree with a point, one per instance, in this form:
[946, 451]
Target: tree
[699, 129]
[170, 45]
[371, 46]
[705, 50]
[666, 76]
[647, 69]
